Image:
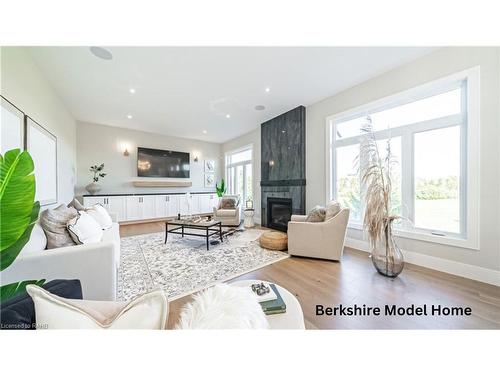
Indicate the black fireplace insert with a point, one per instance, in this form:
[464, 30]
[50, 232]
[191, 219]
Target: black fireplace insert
[279, 213]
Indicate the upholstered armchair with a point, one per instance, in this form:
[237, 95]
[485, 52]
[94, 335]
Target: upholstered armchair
[229, 215]
[323, 240]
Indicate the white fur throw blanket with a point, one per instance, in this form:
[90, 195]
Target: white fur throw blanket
[223, 307]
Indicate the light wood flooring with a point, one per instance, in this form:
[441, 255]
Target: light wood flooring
[354, 281]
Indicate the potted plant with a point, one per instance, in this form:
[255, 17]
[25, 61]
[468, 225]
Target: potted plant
[97, 171]
[18, 213]
[221, 190]
[379, 215]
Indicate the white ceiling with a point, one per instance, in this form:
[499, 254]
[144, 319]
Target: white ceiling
[183, 91]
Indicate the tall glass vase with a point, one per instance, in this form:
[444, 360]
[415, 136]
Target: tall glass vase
[386, 256]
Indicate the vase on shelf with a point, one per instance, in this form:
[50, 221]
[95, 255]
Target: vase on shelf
[93, 188]
[386, 256]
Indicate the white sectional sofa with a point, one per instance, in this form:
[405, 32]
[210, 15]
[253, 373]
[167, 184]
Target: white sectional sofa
[95, 265]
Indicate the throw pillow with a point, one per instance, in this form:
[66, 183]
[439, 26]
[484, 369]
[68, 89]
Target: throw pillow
[227, 203]
[37, 241]
[84, 229]
[76, 205]
[316, 215]
[53, 222]
[148, 311]
[99, 214]
[223, 307]
[332, 209]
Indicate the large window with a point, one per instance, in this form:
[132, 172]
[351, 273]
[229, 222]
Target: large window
[239, 173]
[432, 132]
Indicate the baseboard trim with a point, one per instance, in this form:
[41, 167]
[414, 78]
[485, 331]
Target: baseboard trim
[468, 271]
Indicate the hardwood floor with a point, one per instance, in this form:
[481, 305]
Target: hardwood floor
[354, 281]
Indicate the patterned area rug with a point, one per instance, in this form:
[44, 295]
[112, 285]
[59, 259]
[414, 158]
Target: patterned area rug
[183, 265]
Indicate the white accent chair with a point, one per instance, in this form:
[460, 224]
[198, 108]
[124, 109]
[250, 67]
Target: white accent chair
[228, 217]
[324, 240]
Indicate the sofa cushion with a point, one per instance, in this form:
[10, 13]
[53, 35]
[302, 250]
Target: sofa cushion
[99, 214]
[84, 229]
[19, 312]
[53, 222]
[316, 215]
[76, 205]
[37, 241]
[332, 209]
[226, 213]
[227, 203]
[149, 311]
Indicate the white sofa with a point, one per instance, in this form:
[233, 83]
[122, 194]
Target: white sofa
[95, 265]
[323, 240]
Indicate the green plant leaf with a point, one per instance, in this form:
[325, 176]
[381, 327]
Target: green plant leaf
[17, 192]
[11, 290]
[9, 254]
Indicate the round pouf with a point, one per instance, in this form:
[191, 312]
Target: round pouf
[273, 240]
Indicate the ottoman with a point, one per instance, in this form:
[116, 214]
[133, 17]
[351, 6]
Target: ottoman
[274, 240]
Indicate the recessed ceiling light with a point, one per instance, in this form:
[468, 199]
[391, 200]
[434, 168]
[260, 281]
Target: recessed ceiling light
[101, 53]
[204, 132]
[129, 116]
[260, 107]
[268, 89]
[228, 116]
[132, 90]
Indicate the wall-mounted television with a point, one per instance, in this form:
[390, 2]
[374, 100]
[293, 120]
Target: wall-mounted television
[162, 163]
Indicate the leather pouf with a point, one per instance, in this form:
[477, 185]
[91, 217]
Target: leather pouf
[274, 240]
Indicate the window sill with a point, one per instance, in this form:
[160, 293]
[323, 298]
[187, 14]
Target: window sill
[467, 243]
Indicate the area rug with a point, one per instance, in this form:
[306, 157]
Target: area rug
[183, 265]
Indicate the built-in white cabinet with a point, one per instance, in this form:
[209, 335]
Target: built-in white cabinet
[154, 206]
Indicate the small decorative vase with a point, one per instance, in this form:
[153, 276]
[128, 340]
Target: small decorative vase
[386, 256]
[93, 188]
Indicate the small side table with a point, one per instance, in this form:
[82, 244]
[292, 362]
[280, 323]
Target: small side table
[249, 213]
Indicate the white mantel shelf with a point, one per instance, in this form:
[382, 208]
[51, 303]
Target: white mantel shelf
[143, 183]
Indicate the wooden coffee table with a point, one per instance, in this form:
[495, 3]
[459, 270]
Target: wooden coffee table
[205, 229]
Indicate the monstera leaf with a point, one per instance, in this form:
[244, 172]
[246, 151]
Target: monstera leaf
[11, 290]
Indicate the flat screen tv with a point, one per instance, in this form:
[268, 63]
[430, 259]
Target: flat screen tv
[162, 163]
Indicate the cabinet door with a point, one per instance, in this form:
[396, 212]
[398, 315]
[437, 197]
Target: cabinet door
[148, 207]
[204, 203]
[116, 205]
[90, 201]
[133, 209]
[195, 204]
[213, 202]
[173, 206]
[161, 206]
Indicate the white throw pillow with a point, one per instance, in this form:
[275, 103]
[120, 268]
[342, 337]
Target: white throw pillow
[84, 229]
[37, 241]
[149, 311]
[223, 307]
[100, 215]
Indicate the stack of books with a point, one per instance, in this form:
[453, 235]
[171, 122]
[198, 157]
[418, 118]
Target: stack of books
[271, 302]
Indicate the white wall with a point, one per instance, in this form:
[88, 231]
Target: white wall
[104, 144]
[438, 64]
[252, 138]
[23, 84]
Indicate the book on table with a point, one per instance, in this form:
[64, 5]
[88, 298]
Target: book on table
[276, 306]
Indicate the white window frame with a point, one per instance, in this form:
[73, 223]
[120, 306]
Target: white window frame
[470, 137]
[241, 163]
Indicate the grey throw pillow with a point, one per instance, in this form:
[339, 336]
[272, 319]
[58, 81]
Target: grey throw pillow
[76, 205]
[53, 222]
[332, 209]
[227, 203]
[316, 215]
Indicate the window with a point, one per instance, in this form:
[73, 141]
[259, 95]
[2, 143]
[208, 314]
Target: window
[239, 173]
[432, 132]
